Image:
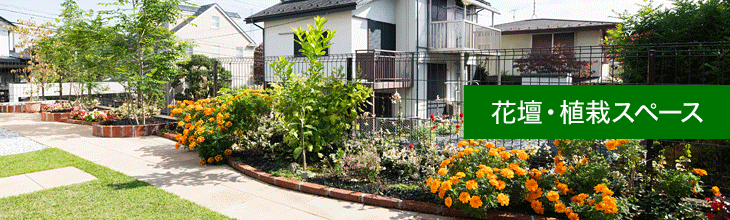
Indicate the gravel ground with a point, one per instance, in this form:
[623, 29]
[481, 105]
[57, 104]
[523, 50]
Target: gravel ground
[12, 143]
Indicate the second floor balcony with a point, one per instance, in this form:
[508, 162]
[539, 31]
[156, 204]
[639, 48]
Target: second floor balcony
[462, 35]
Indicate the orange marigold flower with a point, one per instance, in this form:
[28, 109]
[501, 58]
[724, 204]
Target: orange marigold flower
[201, 139]
[521, 172]
[537, 206]
[590, 201]
[476, 202]
[700, 172]
[584, 161]
[228, 124]
[523, 155]
[563, 188]
[507, 173]
[611, 145]
[553, 196]
[180, 123]
[505, 155]
[573, 216]
[471, 184]
[454, 179]
[461, 144]
[503, 199]
[211, 159]
[202, 162]
[559, 207]
[493, 152]
[494, 182]
[560, 168]
[556, 142]
[501, 185]
[489, 145]
[464, 197]
[460, 174]
[601, 188]
[177, 145]
[531, 185]
[622, 141]
[467, 151]
[580, 198]
[445, 163]
[480, 173]
[428, 181]
[448, 202]
[218, 158]
[227, 152]
[442, 171]
[535, 174]
[716, 191]
[435, 184]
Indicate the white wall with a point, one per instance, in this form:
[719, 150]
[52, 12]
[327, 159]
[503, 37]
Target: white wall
[381, 10]
[204, 37]
[280, 36]
[4, 42]
[22, 90]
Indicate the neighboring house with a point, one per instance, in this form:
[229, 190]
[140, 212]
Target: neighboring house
[542, 35]
[384, 36]
[9, 60]
[217, 34]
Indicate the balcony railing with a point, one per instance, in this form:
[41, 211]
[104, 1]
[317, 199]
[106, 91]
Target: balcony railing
[383, 69]
[462, 35]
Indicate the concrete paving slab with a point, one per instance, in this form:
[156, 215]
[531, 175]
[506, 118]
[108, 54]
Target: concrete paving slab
[60, 177]
[258, 208]
[296, 214]
[16, 185]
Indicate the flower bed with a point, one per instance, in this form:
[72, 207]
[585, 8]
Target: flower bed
[115, 129]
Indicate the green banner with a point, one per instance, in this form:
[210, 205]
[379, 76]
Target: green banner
[597, 111]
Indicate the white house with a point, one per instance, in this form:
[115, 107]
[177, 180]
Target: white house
[217, 34]
[9, 60]
[400, 45]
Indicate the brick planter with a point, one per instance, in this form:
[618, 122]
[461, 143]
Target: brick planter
[119, 131]
[16, 108]
[50, 116]
[364, 198]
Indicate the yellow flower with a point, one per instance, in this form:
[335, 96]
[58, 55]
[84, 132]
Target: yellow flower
[202, 162]
[716, 191]
[468, 151]
[522, 155]
[503, 199]
[464, 197]
[442, 171]
[180, 123]
[505, 155]
[228, 124]
[211, 160]
[493, 152]
[201, 139]
[445, 185]
[507, 173]
[553, 196]
[460, 174]
[461, 144]
[559, 207]
[700, 172]
[489, 145]
[448, 202]
[531, 185]
[471, 184]
[218, 158]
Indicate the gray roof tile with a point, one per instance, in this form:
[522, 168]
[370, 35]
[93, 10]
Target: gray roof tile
[544, 24]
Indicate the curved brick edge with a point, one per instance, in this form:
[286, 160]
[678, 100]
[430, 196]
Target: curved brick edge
[50, 116]
[121, 131]
[364, 198]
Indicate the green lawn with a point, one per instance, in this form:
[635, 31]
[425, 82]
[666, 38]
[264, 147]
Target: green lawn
[112, 196]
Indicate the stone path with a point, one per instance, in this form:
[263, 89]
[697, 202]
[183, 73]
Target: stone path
[220, 188]
[12, 143]
[31, 182]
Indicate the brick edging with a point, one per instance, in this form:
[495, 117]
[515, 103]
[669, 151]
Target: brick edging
[122, 131]
[364, 198]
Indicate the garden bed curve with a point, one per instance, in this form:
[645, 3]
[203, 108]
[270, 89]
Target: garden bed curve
[105, 129]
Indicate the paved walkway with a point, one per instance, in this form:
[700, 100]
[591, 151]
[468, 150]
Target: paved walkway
[220, 188]
[31, 182]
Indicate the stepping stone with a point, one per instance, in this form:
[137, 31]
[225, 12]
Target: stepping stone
[31, 182]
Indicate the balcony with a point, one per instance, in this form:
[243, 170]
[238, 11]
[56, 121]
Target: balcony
[462, 35]
[383, 69]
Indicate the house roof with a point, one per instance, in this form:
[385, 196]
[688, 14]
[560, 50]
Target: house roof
[188, 8]
[543, 25]
[6, 22]
[299, 8]
[202, 9]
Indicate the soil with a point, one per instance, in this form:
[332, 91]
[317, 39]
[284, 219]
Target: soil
[129, 121]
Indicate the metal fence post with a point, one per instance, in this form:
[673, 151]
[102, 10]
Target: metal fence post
[215, 78]
[651, 80]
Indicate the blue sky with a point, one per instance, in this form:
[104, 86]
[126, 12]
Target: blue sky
[597, 10]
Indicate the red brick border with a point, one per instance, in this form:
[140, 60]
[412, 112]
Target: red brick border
[122, 131]
[50, 116]
[365, 198]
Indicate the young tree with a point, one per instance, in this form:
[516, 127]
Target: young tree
[34, 38]
[145, 50]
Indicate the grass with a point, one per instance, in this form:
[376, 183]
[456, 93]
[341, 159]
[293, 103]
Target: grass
[112, 196]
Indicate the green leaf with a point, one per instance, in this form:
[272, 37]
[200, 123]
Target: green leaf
[297, 152]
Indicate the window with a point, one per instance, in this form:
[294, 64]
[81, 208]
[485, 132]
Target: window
[438, 10]
[215, 22]
[189, 51]
[239, 51]
[381, 35]
[298, 47]
[215, 51]
[553, 40]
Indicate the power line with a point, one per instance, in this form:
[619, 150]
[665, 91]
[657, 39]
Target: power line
[19, 12]
[26, 9]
